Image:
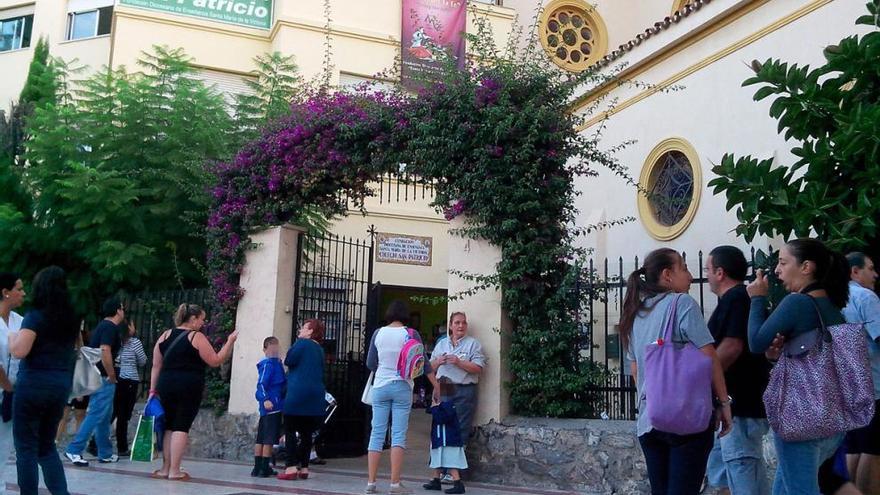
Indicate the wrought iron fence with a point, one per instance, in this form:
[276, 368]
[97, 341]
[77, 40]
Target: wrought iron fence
[153, 312]
[598, 296]
[333, 283]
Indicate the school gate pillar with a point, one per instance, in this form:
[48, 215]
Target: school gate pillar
[265, 309]
[487, 322]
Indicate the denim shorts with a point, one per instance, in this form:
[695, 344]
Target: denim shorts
[392, 400]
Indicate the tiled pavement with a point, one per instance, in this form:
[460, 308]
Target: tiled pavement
[232, 478]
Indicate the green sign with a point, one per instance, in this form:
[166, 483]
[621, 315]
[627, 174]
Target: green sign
[250, 13]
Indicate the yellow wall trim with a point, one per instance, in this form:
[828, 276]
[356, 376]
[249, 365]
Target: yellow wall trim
[345, 32]
[702, 64]
[692, 38]
[646, 211]
[399, 216]
[190, 24]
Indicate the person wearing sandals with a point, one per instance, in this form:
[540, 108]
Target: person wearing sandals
[447, 440]
[304, 404]
[391, 396]
[45, 346]
[178, 379]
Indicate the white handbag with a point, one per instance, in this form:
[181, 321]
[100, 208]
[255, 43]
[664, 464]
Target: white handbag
[86, 377]
[367, 396]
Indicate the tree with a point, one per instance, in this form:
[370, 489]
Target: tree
[276, 85]
[833, 112]
[116, 179]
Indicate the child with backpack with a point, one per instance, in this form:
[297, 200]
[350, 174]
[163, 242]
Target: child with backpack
[447, 447]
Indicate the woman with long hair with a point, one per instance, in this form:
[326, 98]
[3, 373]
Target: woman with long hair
[818, 281]
[178, 378]
[11, 298]
[45, 345]
[676, 463]
[131, 359]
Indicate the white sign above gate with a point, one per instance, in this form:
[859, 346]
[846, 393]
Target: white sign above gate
[404, 249]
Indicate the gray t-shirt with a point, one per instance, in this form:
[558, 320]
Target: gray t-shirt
[649, 325]
[469, 349]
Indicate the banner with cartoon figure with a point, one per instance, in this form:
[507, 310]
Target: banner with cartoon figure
[430, 28]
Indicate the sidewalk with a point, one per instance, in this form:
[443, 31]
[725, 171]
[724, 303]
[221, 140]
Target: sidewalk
[210, 477]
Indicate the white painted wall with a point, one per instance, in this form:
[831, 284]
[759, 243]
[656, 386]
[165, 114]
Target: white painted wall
[715, 114]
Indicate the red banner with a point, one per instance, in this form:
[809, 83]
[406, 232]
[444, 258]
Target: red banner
[430, 28]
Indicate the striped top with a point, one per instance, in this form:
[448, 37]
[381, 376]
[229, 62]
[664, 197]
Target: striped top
[131, 358]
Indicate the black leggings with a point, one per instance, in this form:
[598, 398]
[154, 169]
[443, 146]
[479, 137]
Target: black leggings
[123, 405]
[299, 449]
[676, 463]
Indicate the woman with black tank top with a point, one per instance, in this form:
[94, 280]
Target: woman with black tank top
[818, 280]
[45, 346]
[178, 378]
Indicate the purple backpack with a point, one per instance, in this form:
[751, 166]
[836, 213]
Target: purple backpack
[678, 382]
[822, 384]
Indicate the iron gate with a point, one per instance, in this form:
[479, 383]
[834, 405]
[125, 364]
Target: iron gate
[333, 283]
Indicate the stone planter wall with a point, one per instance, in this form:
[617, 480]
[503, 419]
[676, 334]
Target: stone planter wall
[591, 456]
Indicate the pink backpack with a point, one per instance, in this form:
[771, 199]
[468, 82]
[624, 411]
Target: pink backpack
[411, 360]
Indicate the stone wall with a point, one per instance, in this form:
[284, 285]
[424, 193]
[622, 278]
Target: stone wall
[591, 456]
[230, 436]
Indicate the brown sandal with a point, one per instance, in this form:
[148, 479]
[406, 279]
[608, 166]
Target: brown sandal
[185, 477]
[158, 476]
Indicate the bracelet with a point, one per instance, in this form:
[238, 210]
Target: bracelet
[720, 403]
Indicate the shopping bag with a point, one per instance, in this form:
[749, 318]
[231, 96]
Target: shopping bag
[154, 410]
[86, 377]
[144, 447]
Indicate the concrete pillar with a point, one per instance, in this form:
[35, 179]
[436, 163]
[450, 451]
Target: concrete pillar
[266, 309]
[487, 322]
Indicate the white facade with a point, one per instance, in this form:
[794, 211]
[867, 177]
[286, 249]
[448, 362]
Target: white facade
[699, 63]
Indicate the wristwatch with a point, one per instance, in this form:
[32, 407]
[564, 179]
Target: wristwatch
[718, 402]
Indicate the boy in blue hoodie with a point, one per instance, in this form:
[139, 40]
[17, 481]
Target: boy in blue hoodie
[271, 385]
[447, 447]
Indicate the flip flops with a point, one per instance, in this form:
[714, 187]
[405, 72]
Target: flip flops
[184, 477]
[156, 475]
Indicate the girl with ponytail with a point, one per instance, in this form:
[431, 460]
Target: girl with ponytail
[815, 276]
[676, 463]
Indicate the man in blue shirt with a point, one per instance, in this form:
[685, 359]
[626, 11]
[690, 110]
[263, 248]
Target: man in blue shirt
[863, 459]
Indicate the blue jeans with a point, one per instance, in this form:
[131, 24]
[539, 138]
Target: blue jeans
[797, 473]
[37, 408]
[465, 400]
[97, 420]
[737, 459]
[395, 400]
[676, 463]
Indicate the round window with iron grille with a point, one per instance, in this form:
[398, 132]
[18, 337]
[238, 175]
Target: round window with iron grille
[669, 188]
[573, 34]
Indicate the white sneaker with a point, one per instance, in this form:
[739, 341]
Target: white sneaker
[446, 479]
[108, 460]
[76, 459]
[371, 489]
[400, 489]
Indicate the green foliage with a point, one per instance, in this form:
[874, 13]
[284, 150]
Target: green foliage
[498, 142]
[39, 88]
[116, 182]
[833, 113]
[277, 84]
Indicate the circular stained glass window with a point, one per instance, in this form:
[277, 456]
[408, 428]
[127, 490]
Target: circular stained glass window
[572, 34]
[672, 188]
[669, 192]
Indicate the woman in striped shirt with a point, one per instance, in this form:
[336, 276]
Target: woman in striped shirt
[131, 359]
